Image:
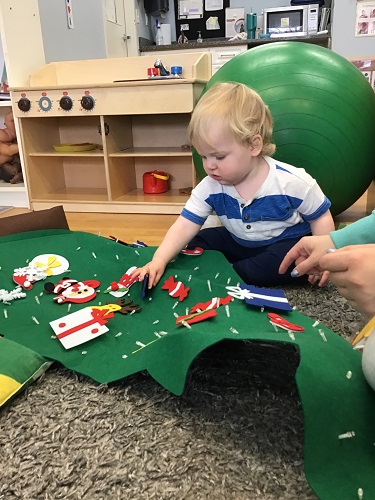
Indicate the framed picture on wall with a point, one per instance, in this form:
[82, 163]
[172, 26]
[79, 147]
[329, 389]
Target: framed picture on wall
[365, 19]
[367, 68]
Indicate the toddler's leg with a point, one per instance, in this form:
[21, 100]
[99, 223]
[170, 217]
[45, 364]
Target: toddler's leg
[218, 238]
[261, 269]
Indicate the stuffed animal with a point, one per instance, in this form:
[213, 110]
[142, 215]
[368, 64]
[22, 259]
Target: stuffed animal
[11, 171]
[10, 167]
[8, 139]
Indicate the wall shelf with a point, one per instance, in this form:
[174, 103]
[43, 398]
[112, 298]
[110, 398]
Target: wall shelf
[97, 153]
[6, 187]
[167, 151]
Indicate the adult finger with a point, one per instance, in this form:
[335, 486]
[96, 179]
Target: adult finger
[307, 266]
[293, 254]
[334, 262]
[324, 278]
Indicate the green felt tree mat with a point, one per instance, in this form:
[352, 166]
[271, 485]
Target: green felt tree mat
[333, 403]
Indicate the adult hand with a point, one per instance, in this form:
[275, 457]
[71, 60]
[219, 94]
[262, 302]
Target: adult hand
[321, 278]
[306, 254]
[352, 270]
[154, 269]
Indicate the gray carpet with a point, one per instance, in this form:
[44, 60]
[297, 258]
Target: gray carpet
[236, 432]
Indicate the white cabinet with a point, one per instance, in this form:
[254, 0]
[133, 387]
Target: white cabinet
[221, 55]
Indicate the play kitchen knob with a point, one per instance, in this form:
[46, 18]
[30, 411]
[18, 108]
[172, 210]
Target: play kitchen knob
[24, 104]
[87, 102]
[66, 103]
[155, 182]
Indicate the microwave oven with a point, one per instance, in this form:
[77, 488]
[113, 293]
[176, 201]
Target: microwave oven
[291, 21]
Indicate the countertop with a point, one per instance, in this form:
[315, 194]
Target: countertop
[149, 46]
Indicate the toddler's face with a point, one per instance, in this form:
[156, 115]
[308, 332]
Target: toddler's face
[225, 159]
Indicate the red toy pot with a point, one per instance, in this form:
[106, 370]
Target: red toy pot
[155, 182]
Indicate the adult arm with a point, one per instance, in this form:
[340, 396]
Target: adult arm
[358, 233]
[308, 251]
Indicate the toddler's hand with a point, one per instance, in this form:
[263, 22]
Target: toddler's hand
[153, 269]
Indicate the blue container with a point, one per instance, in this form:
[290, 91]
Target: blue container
[176, 71]
[251, 25]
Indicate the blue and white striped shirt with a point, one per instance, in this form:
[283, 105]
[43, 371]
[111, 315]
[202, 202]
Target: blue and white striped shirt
[283, 207]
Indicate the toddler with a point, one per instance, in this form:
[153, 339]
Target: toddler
[265, 206]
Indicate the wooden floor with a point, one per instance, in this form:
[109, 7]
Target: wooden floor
[151, 228]
[126, 227]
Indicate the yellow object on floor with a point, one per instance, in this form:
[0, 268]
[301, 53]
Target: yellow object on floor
[8, 387]
[365, 332]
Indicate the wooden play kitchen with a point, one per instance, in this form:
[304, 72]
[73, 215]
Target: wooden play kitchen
[91, 130]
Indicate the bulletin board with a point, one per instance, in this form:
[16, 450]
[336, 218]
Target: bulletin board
[198, 13]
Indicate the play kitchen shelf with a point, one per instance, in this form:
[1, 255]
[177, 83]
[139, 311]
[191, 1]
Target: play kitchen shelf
[134, 124]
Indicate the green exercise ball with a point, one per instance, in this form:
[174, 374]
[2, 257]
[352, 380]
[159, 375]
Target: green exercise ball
[323, 110]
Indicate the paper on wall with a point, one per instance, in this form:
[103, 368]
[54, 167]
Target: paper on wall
[212, 23]
[213, 5]
[190, 9]
[234, 21]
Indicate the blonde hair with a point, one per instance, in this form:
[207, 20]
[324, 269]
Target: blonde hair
[236, 107]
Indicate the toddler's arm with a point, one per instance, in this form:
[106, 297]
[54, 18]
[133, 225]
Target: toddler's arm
[323, 225]
[177, 237]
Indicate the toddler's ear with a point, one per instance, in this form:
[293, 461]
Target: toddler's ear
[256, 145]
